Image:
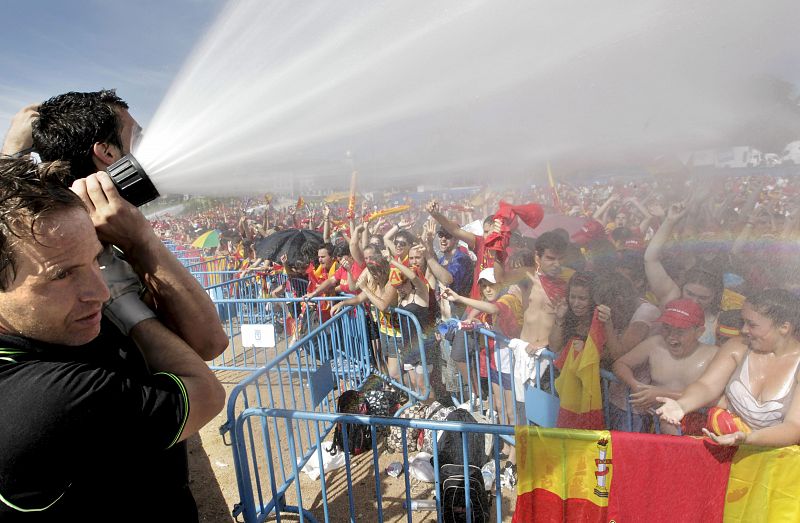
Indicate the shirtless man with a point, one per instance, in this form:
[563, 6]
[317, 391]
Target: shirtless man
[675, 357]
[548, 286]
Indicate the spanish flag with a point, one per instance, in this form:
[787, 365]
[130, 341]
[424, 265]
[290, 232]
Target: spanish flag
[564, 475]
[578, 385]
[569, 475]
[764, 485]
[300, 203]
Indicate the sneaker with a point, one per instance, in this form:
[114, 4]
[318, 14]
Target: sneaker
[508, 478]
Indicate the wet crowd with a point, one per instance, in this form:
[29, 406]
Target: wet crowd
[669, 279]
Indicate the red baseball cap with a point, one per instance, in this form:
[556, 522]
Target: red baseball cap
[591, 230]
[683, 314]
[633, 244]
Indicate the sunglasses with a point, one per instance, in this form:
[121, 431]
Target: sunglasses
[400, 242]
[442, 234]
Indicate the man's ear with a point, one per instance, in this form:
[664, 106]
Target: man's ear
[104, 154]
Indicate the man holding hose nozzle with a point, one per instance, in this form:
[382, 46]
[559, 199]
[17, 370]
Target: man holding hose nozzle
[93, 130]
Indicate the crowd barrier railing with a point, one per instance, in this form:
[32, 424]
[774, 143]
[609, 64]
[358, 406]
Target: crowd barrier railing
[488, 351]
[308, 376]
[360, 490]
[396, 335]
[259, 328]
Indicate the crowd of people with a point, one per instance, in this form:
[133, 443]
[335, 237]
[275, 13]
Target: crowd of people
[673, 272]
[684, 287]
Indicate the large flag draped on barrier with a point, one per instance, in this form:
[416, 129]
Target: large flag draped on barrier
[569, 475]
[563, 475]
[578, 384]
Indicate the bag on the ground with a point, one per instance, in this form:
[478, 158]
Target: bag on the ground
[450, 445]
[436, 412]
[394, 443]
[454, 494]
[359, 437]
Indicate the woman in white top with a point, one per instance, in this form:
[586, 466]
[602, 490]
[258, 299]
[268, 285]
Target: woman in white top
[754, 376]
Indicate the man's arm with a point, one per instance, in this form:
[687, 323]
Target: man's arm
[177, 296]
[166, 352]
[662, 285]
[451, 227]
[19, 138]
[623, 368]
[321, 288]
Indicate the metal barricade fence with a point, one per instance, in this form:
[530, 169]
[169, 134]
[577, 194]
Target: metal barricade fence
[260, 328]
[488, 359]
[279, 416]
[367, 491]
[396, 337]
[308, 376]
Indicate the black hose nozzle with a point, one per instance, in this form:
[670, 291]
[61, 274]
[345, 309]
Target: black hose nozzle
[131, 181]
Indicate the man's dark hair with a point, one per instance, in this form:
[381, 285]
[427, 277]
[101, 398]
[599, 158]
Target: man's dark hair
[328, 246]
[341, 249]
[551, 240]
[70, 124]
[407, 236]
[28, 194]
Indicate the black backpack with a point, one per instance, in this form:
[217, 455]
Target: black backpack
[450, 445]
[359, 436]
[454, 500]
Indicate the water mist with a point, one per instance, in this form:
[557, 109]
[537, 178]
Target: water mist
[451, 90]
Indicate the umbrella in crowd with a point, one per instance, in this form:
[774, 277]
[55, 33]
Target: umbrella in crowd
[207, 240]
[289, 242]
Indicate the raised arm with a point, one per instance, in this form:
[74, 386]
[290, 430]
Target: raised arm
[451, 227]
[661, 284]
[600, 213]
[19, 139]
[388, 239]
[442, 275]
[355, 244]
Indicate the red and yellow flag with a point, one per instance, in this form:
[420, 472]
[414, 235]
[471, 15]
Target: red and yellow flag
[300, 203]
[569, 475]
[578, 385]
[564, 475]
[763, 485]
[553, 189]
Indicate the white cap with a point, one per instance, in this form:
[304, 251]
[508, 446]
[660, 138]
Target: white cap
[488, 275]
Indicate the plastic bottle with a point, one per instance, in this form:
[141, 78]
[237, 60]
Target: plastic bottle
[420, 504]
[488, 475]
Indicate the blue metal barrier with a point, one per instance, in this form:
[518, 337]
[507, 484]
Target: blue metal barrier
[309, 376]
[258, 328]
[318, 507]
[399, 334]
[502, 408]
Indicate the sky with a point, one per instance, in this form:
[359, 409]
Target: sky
[54, 46]
[267, 91]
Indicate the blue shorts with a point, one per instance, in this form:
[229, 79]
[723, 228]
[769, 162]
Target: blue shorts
[497, 377]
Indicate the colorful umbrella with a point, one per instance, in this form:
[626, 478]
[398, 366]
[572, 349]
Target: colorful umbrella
[207, 240]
